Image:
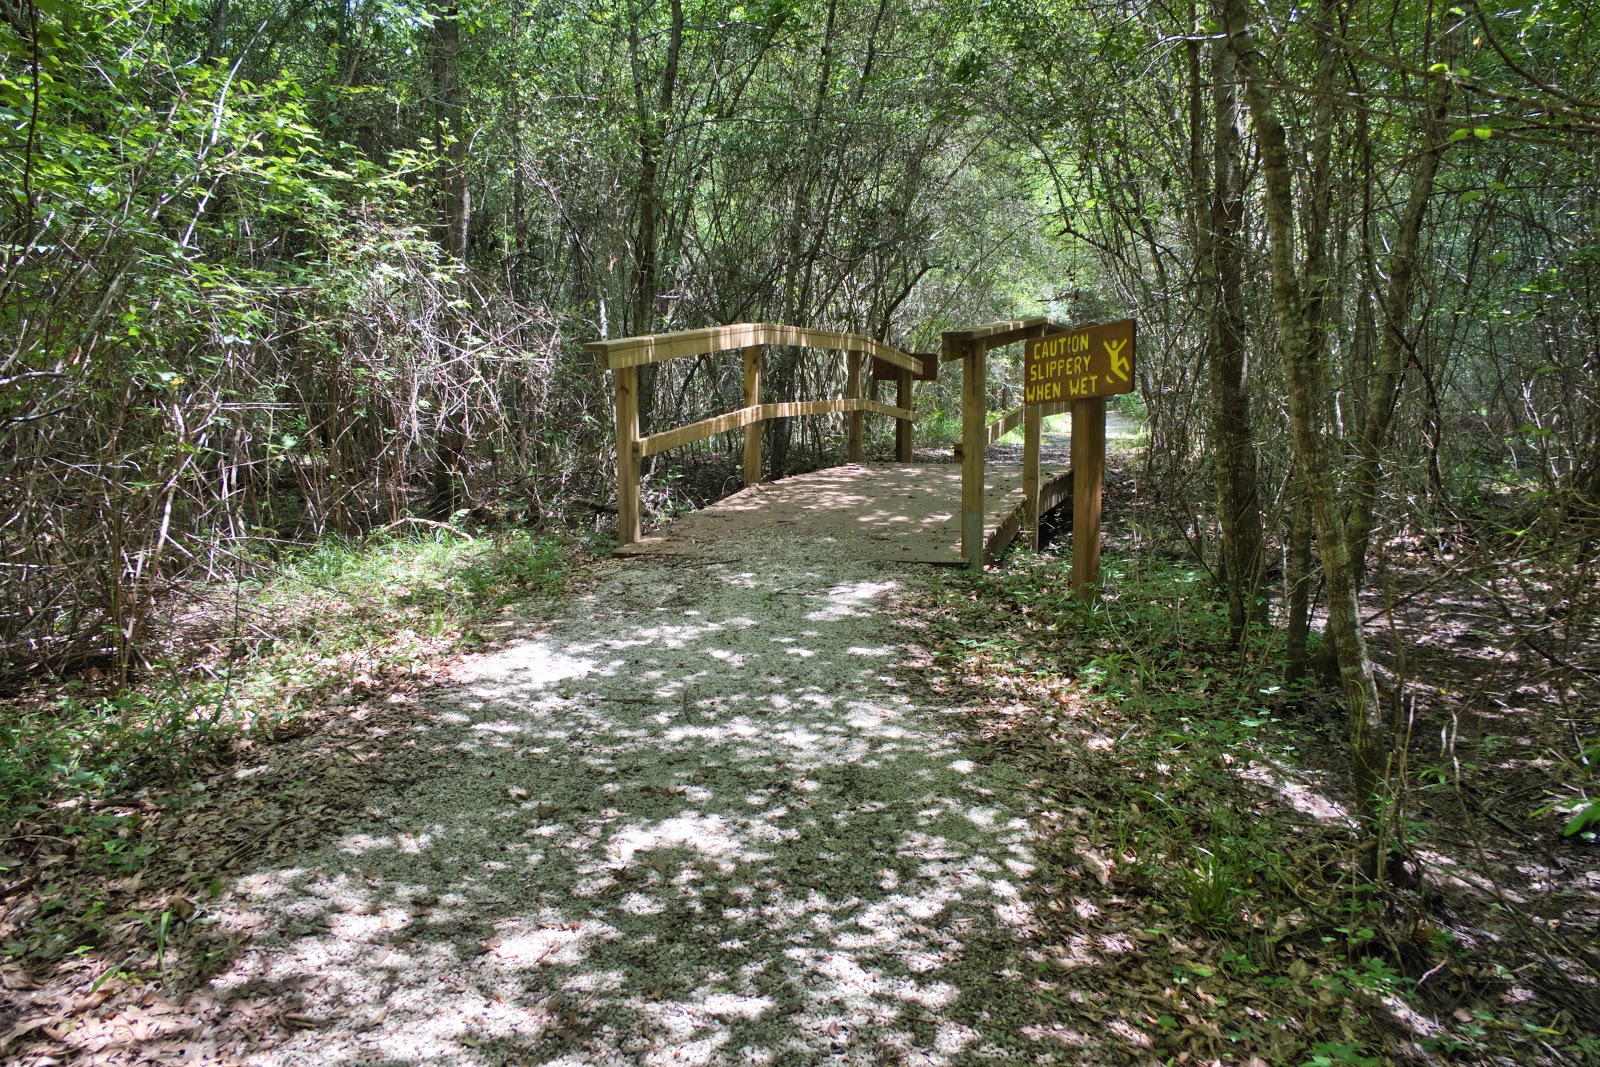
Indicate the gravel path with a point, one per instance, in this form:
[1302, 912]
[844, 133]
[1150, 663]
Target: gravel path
[700, 820]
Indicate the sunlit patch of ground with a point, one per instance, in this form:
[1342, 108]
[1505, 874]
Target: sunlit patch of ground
[700, 821]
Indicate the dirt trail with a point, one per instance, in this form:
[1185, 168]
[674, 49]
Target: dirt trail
[698, 821]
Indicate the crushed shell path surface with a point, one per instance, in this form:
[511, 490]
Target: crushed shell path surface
[700, 820]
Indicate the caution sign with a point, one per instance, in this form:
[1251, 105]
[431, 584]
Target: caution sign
[1086, 362]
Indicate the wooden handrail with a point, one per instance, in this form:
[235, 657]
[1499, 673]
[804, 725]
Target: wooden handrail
[1004, 425]
[995, 335]
[625, 355]
[660, 347]
[733, 420]
[1015, 417]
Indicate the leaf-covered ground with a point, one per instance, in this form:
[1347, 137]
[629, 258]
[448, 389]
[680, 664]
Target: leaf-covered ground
[1201, 895]
[762, 811]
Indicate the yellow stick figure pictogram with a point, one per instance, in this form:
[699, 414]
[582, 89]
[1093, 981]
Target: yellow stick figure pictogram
[1119, 362]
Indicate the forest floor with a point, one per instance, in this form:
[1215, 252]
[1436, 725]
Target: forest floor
[768, 808]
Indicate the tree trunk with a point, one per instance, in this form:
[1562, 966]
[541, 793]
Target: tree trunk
[1398, 336]
[1297, 583]
[455, 199]
[1232, 442]
[651, 117]
[1297, 303]
[455, 213]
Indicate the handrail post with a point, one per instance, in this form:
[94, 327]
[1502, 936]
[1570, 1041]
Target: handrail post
[974, 413]
[627, 383]
[752, 432]
[902, 427]
[852, 390]
[1032, 430]
[1088, 472]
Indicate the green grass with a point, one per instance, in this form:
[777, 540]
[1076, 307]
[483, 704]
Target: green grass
[332, 620]
[938, 428]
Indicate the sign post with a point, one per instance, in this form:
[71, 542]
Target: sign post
[1082, 366]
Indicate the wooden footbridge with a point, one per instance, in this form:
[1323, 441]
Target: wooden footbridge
[903, 511]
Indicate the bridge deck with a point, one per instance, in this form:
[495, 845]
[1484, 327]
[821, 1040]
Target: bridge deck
[893, 512]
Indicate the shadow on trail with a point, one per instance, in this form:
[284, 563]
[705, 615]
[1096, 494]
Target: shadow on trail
[704, 822]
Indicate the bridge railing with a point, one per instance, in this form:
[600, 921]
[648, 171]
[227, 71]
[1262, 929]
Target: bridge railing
[624, 356]
[972, 346]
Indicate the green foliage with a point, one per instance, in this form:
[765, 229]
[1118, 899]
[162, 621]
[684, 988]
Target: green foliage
[1187, 751]
[91, 746]
[1214, 880]
[344, 613]
[1339, 1054]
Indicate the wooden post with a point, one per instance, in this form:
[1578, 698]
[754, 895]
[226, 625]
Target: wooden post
[627, 381]
[752, 433]
[974, 414]
[1032, 428]
[1088, 474]
[902, 427]
[852, 390]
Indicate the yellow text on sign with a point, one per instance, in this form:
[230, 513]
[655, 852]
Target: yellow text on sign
[1088, 362]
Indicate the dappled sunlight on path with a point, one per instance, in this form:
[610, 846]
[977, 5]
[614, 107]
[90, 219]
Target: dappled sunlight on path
[700, 821]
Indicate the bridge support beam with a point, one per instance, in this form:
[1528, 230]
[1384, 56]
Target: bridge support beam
[752, 397]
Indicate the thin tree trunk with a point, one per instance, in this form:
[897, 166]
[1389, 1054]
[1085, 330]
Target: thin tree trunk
[455, 215]
[797, 263]
[1298, 307]
[455, 198]
[1297, 582]
[652, 142]
[1398, 336]
[1232, 443]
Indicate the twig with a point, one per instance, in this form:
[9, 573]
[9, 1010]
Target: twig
[458, 531]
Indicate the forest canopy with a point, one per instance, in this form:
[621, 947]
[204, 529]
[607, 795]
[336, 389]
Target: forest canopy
[274, 271]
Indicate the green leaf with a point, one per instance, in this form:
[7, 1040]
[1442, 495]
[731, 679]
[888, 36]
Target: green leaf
[1586, 816]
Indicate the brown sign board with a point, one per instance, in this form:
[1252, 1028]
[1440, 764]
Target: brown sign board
[887, 372]
[1079, 364]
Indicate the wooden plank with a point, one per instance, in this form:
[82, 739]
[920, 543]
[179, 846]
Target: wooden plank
[1088, 467]
[733, 420]
[752, 398]
[660, 347]
[1051, 493]
[1003, 425]
[903, 427]
[989, 329]
[628, 454]
[852, 391]
[1054, 492]
[974, 415]
[1031, 432]
[888, 372]
[998, 334]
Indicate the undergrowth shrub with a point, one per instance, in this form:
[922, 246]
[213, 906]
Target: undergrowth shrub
[334, 620]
